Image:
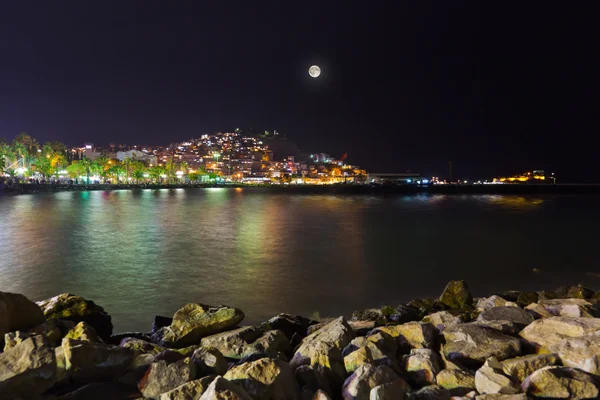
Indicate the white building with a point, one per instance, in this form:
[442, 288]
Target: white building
[138, 156]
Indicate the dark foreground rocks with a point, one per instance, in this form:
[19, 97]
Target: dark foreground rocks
[509, 346]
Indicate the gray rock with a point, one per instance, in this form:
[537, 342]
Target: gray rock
[561, 383]
[27, 369]
[189, 391]
[433, 392]
[17, 312]
[358, 385]
[76, 309]
[487, 303]
[320, 395]
[271, 343]
[456, 295]
[209, 360]
[141, 346]
[267, 378]
[53, 330]
[84, 332]
[581, 352]
[222, 389]
[458, 382]
[543, 333]
[232, 344]
[162, 377]
[362, 351]
[395, 390]
[412, 335]
[194, 321]
[422, 366]
[490, 379]
[86, 361]
[101, 391]
[11, 339]
[513, 314]
[520, 368]
[288, 324]
[573, 308]
[442, 319]
[471, 345]
[519, 396]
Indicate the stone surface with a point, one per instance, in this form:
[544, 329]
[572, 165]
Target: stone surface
[141, 346]
[581, 352]
[288, 324]
[471, 345]
[362, 351]
[433, 392]
[543, 333]
[487, 303]
[412, 335]
[232, 343]
[404, 314]
[395, 390]
[358, 385]
[573, 308]
[27, 369]
[526, 299]
[209, 360]
[83, 332]
[271, 343]
[324, 349]
[17, 312]
[561, 383]
[162, 377]
[490, 379]
[320, 395]
[504, 313]
[100, 391]
[189, 391]
[76, 309]
[194, 321]
[422, 366]
[86, 361]
[580, 292]
[520, 368]
[442, 319]
[53, 330]
[456, 295]
[11, 339]
[497, 396]
[222, 389]
[371, 314]
[458, 382]
[267, 378]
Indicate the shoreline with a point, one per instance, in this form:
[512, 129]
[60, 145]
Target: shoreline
[342, 189]
[509, 346]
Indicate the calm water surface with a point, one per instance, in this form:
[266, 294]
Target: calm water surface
[141, 253]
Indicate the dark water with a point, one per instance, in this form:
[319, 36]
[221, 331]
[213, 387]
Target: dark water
[141, 253]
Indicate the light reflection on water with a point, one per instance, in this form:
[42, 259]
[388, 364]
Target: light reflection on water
[140, 253]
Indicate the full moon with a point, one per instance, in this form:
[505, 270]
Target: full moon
[314, 71]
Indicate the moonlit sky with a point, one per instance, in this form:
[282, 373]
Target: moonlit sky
[495, 87]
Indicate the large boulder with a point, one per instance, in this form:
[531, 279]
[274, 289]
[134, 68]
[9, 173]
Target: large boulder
[362, 351]
[141, 346]
[487, 303]
[543, 333]
[53, 330]
[232, 344]
[579, 292]
[456, 295]
[265, 379]
[163, 376]
[395, 390]
[324, 349]
[516, 315]
[222, 389]
[17, 312]
[490, 379]
[288, 324]
[422, 366]
[458, 382]
[358, 385]
[209, 360]
[87, 361]
[189, 391]
[194, 321]
[471, 345]
[520, 368]
[11, 339]
[77, 309]
[573, 308]
[271, 344]
[412, 335]
[561, 383]
[442, 319]
[581, 352]
[27, 369]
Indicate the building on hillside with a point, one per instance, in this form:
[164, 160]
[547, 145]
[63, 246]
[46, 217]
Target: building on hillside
[137, 155]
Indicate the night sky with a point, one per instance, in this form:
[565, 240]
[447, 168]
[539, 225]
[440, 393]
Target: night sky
[496, 88]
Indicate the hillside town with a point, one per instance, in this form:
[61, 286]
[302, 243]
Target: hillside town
[266, 158]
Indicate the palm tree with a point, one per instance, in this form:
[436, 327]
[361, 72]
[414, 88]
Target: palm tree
[20, 150]
[103, 163]
[127, 162]
[157, 172]
[87, 166]
[137, 175]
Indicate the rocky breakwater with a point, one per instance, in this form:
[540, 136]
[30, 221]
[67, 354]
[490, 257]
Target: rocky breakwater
[507, 346]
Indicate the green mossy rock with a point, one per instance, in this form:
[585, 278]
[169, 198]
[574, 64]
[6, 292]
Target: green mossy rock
[456, 295]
